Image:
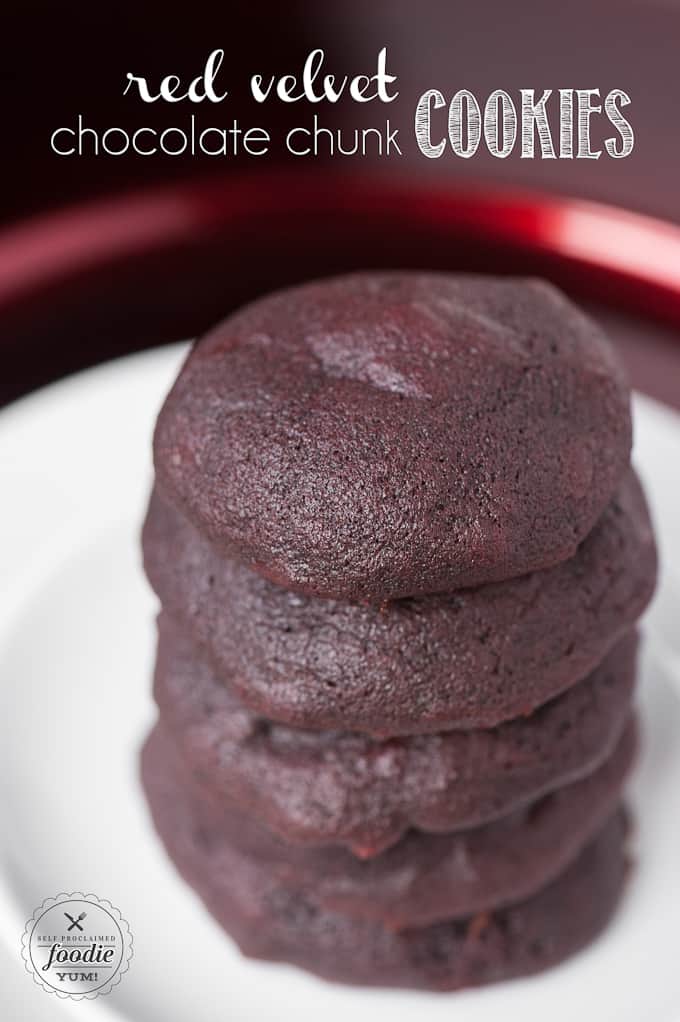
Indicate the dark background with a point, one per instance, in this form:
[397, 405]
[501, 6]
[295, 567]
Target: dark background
[59, 60]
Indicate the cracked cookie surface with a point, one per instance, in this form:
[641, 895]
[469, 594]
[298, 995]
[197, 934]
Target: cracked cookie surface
[383, 435]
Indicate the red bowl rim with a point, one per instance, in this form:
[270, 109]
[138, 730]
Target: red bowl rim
[622, 246]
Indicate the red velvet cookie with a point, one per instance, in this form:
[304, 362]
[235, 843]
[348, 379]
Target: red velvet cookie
[424, 878]
[468, 659]
[272, 920]
[345, 788]
[383, 435]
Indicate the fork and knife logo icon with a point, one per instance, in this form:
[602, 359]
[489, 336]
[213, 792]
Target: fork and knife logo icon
[74, 958]
[75, 923]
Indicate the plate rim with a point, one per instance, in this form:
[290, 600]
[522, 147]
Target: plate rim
[23, 411]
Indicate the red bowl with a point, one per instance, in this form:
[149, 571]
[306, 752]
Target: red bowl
[114, 276]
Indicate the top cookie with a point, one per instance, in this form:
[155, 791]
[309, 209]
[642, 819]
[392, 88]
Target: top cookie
[382, 435]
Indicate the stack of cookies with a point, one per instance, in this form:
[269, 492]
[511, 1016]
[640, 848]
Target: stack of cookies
[400, 553]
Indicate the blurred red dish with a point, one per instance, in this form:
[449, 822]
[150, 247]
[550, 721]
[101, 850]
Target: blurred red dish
[109, 277]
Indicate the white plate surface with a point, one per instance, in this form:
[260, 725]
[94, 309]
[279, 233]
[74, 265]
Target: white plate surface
[76, 645]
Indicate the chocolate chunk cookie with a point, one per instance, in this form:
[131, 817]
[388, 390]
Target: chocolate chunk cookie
[382, 435]
[345, 788]
[468, 659]
[425, 878]
[271, 920]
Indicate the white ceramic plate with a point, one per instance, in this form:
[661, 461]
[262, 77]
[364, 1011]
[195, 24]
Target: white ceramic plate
[76, 641]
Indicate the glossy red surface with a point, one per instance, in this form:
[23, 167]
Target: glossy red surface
[110, 277]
